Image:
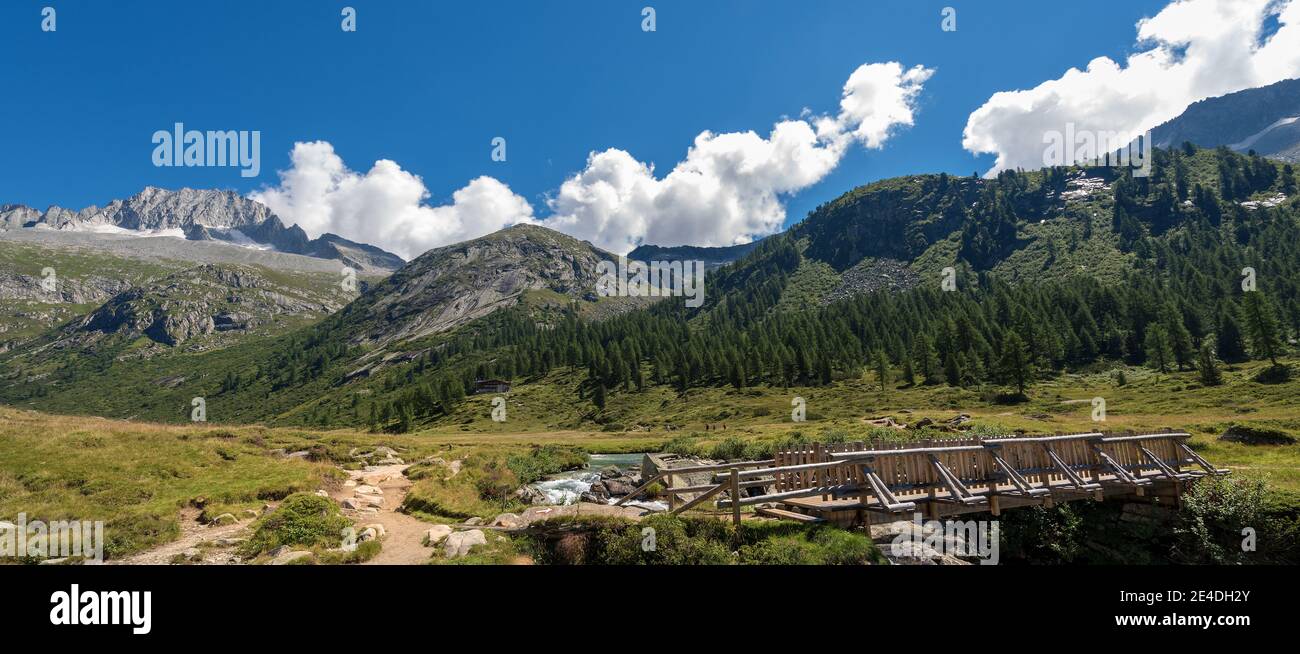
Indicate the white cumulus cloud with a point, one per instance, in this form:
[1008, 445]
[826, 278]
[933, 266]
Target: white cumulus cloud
[386, 205]
[728, 189]
[1189, 51]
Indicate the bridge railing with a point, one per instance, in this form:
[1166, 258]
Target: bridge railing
[894, 476]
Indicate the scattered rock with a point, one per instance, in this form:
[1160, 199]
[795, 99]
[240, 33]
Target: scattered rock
[474, 521]
[460, 543]
[222, 520]
[437, 533]
[530, 495]
[886, 421]
[1257, 436]
[959, 420]
[368, 489]
[321, 493]
[230, 542]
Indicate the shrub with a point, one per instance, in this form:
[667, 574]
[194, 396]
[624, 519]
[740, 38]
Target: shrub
[301, 519]
[730, 448]
[545, 460]
[1215, 512]
[495, 481]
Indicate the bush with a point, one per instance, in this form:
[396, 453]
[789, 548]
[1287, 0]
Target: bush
[1218, 509]
[545, 460]
[1274, 374]
[495, 481]
[702, 541]
[301, 519]
[731, 448]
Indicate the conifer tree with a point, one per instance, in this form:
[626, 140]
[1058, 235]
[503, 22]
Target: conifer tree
[1208, 367]
[1261, 326]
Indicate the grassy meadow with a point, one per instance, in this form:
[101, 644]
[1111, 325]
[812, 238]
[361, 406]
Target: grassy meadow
[138, 476]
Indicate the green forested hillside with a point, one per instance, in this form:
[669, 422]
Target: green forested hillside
[1055, 270]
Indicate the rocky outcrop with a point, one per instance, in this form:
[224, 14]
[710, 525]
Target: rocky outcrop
[871, 275]
[1256, 436]
[450, 286]
[199, 302]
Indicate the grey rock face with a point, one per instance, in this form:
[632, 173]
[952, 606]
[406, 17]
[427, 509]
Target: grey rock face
[198, 302]
[203, 215]
[449, 286]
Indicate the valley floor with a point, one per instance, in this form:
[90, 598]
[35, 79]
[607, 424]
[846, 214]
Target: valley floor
[162, 490]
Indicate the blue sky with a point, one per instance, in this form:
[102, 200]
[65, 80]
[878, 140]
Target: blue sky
[429, 84]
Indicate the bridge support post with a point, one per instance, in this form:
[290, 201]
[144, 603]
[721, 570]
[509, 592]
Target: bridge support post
[735, 495]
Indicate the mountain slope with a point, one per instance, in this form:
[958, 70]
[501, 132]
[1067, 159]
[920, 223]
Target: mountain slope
[200, 215]
[1066, 268]
[450, 286]
[1265, 119]
[713, 257]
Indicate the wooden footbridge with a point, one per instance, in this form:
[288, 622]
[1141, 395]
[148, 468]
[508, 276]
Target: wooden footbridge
[850, 483]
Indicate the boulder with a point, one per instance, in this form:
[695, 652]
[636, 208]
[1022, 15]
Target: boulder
[321, 493]
[507, 520]
[619, 487]
[372, 500]
[923, 423]
[300, 454]
[460, 543]
[1257, 436]
[367, 534]
[248, 514]
[885, 533]
[610, 472]
[352, 503]
[436, 533]
[367, 489]
[379, 529]
[530, 495]
[599, 491]
[474, 521]
[223, 519]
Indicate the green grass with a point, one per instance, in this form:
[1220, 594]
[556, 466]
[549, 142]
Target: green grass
[133, 477]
